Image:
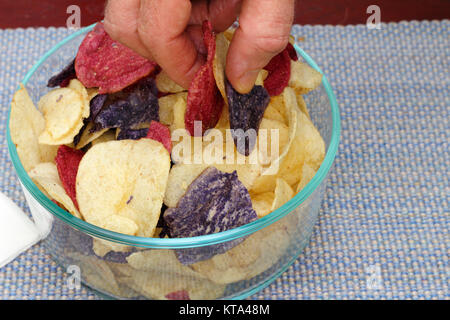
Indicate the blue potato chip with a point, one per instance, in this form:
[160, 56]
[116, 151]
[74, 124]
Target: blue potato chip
[246, 113]
[96, 105]
[216, 201]
[132, 134]
[130, 107]
[63, 78]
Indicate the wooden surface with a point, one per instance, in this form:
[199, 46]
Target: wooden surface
[36, 13]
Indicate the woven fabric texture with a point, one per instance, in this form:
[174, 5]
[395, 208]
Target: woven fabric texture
[383, 230]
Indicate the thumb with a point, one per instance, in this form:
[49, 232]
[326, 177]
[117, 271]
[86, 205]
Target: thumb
[264, 28]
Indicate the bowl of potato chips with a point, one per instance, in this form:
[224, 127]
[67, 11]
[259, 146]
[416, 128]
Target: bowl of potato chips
[154, 191]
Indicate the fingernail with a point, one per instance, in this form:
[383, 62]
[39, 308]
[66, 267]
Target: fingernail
[247, 81]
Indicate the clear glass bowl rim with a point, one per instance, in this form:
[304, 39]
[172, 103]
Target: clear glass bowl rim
[178, 243]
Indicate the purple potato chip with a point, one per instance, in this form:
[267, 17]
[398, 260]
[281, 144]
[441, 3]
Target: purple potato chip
[132, 134]
[130, 107]
[246, 113]
[96, 105]
[214, 202]
[63, 78]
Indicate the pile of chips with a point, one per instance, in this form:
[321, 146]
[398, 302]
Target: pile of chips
[104, 144]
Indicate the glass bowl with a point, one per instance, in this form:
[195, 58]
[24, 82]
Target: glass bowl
[147, 268]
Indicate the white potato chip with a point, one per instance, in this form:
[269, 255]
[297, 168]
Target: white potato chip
[120, 185]
[253, 256]
[81, 89]
[262, 75]
[109, 135]
[219, 63]
[92, 93]
[46, 175]
[162, 285]
[262, 203]
[307, 174]
[167, 85]
[303, 77]
[266, 182]
[26, 125]
[87, 136]
[302, 105]
[179, 110]
[283, 193]
[229, 33]
[166, 104]
[63, 111]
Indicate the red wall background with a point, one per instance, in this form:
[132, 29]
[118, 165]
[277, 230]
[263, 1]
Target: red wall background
[36, 13]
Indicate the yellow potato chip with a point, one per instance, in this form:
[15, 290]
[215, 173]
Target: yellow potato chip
[266, 182]
[80, 88]
[272, 129]
[109, 135]
[307, 174]
[63, 111]
[253, 256]
[87, 136]
[304, 78]
[302, 105]
[262, 203]
[159, 261]
[179, 110]
[283, 193]
[229, 33]
[262, 75]
[121, 184]
[166, 104]
[92, 93]
[46, 175]
[26, 125]
[167, 85]
[219, 63]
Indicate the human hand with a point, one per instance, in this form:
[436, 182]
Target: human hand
[169, 33]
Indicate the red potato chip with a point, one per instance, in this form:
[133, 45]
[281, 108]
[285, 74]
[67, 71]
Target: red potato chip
[107, 64]
[204, 101]
[67, 161]
[178, 295]
[292, 52]
[159, 132]
[279, 69]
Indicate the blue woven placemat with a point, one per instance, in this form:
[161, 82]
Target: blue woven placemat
[383, 230]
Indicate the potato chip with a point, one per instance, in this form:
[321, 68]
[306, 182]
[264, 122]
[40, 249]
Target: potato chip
[67, 161]
[121, 184]
[272, 113]
[160, 133]
[109, 135]
[78, 87]
[283, 193]
[262, 75]
[219, 63]
[291, 50]
[167, 85]
[215, 201]
[166, 105]
[304, 78]
[307, 174]
[63, 78]
[204, 102]
[229, 33]
[87, 135]
[262, 203]
[246, 112]
[63, 111]
[302, 105]
[253, 256]
[266, 182]
[166, 285]
[26, 125]
[107, 64]
[129, 108]
[279, 69]
[46, 175]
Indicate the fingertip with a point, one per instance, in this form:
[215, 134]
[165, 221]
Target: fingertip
[245, 82]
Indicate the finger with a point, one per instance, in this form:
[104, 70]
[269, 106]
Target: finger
[264, 28]
[121, 24]
[221, 13]
[162, 29]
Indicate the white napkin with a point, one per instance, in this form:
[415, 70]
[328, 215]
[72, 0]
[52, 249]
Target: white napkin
[17, 231]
